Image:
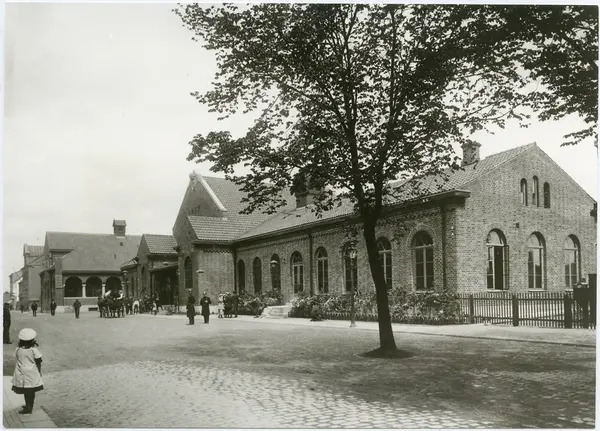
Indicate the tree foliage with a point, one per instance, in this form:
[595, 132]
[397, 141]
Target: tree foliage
[350, 97]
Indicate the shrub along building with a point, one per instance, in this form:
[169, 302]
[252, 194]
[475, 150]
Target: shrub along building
[512, 221]
[84, 265]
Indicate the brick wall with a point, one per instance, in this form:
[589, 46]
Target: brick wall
[495, 203]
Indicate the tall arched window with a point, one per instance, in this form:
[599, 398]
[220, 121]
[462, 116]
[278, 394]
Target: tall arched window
[189, 273]
[297, 272]
[572, 258]
[536, 192]
[241, 277]
[257, 275]
[423, 251]
[322, 271]
[497, 256]
[350, 268]
[535, 261]
[275, 272]
[73, 287]
[385, 260]
[524, 191]
[546, 195]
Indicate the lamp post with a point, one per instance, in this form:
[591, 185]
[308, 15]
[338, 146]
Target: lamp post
[352, 255]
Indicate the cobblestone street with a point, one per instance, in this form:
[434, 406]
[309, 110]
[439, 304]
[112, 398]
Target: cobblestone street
[145, 371]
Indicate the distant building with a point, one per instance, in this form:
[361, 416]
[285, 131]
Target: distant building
[12, 295]
[33, 263]
[85, 265]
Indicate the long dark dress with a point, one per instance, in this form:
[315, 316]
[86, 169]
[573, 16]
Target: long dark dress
[205, 302]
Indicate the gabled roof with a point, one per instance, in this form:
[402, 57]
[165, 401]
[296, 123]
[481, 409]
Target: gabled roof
[227, 195]
[33, 250]
[405, 190]
[93, 252]
[160, 244]
[119, 223]
[15, 276]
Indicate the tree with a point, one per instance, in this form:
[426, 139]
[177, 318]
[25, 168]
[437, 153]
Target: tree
[351, 97]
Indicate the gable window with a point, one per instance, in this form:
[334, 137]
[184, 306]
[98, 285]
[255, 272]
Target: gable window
[497, 257]
[546, 195]
[241, 277]
[572, 258]
[524, 192]
[275, 272]
[297, 272]
[423, 260]
[322, 271]
[385, 260]
[536, 192]
[257, 274]
[350, 267]
[535, 261]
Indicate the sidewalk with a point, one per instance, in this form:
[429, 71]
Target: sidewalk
[572, 337]
[12, 403]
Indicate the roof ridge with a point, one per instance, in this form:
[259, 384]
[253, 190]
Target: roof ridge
[212, 193]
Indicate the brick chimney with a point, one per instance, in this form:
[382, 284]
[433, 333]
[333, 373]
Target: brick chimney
[470, 153]
[119, 227]
[301, 190]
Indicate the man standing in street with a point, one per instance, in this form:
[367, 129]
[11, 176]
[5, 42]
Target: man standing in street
[77, 306]
[53, 307]
[191, 308]
[34, 309]
[6, 324]
[235, 300]
[205, 304]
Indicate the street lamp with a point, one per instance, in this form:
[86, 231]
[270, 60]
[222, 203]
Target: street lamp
[352, 255]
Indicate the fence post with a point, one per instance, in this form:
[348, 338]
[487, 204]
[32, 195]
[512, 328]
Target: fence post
[568, 311]
[515, 310]
[471, 309]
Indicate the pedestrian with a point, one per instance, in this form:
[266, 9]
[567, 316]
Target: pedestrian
[22, 308]
[205, 304]
[34, 309]
[77, 306]
[53, 307]
[136, 306]
[6, 324]
[154, 308]
[220, 306]
[159, 304]
[27, 378]
[191, 308]
[235, 299]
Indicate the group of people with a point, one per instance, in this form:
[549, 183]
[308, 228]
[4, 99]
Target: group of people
[204, 308]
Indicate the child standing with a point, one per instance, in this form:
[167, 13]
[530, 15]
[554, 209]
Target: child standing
[27, 379]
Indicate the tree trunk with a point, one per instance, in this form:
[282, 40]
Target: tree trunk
[386, 335]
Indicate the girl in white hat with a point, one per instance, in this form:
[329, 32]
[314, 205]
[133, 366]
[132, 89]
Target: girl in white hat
[27, 379]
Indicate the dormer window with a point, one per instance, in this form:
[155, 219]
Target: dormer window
[524, 191]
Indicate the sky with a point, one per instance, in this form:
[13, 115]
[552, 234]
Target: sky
[98, 117]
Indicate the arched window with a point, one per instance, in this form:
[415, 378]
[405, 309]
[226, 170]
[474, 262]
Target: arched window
[322, 271]
[536, 192]
[535, 261]
[275, 272]
[143, 280]
[524, 191]
[297, 272]
[423, 251]
[241, 277]
[257, 275]
[385, 260]
[497, 256]
[188, 273]
[350, 268]
[546, 195]
[73, 287]
[572, 258]
[93, 287]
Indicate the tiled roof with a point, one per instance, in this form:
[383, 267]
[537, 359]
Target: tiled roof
[93, 252]
[232, 224]
[451, 180]
[15, 276]
[160, 244]
[33, 250]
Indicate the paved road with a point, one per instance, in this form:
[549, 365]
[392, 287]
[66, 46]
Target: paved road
[143, 372]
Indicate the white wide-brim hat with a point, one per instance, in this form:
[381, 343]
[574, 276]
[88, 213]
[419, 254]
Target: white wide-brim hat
[27, 334]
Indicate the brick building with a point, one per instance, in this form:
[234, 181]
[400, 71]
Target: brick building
[512, 221]
[33, 263]
[84, 265]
